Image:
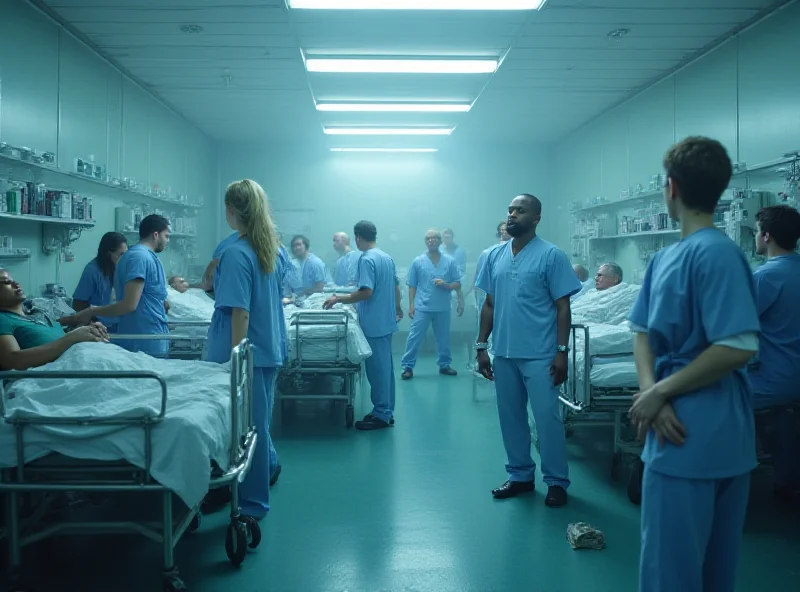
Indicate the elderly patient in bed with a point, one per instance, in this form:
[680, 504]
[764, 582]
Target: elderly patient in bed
[29, 337]
[608, 302]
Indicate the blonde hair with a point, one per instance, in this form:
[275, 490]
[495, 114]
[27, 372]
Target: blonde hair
[248, 202]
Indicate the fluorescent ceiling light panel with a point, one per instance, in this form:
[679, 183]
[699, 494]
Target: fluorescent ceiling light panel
[397, 66]
[417, 4]
[388, 131]
[395, 107]
[384, 149]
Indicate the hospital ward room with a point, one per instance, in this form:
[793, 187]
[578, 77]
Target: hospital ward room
[399, 295]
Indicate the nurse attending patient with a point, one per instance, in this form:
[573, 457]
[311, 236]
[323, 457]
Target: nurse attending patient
[696, 326]
[141, 290]
[97, 280]
[776, 374]
[432, 277]
[248, 305]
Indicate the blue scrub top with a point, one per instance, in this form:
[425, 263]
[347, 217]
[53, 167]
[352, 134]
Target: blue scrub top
[459, 255]
[696, 293]
[243, 284]
[347, 268]
[524, 290]
[777, 295]
[95, 288]
[377, 315]
[311, 272]
[221, 247]
[149, 318]
[421, 276]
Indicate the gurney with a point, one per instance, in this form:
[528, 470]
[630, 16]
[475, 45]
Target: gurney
[112, 429]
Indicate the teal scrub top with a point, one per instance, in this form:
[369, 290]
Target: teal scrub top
[30, 330]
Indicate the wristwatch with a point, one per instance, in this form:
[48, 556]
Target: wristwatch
[562, 349]
[481, 346]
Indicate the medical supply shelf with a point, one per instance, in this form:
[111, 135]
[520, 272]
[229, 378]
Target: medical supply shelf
[171, 235]
[48, 220]
[117, 190]
[14, 257]
[636, 234]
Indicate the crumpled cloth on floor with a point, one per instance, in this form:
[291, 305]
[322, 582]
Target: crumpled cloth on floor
[581, 535]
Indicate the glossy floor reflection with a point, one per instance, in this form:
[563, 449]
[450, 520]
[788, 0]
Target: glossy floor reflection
[409, 510]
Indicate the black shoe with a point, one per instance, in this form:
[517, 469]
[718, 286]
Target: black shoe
[407, 374]
[448, 371]
[370, 422]
[275, 474]
[556, 496]
[513, 489]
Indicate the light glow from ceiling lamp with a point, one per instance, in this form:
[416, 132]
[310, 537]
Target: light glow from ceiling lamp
[395, 66]
[417, 4]
[416, 150]
[395, 107]
[388, 131]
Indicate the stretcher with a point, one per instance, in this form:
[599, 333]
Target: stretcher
[53, 453]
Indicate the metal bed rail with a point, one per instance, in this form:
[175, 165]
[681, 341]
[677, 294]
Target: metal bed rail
[60, 474]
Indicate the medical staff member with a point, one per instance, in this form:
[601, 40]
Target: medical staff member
[310, 273]
[347, 264]
[449, 247]
[209, 275]
[97, 280]
[696, 327]
[431, 279]
[775, 376]
[502, 235]
[139, 278]
[528, 283]
[378, 312]
[248, 304]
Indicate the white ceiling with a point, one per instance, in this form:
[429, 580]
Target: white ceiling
[561, 71]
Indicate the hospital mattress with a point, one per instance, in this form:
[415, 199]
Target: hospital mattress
[196, 427]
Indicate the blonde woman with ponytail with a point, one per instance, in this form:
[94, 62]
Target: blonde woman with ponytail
[248, 293]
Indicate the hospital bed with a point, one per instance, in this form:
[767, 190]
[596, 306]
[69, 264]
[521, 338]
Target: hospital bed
[121, 430]
[326, 354]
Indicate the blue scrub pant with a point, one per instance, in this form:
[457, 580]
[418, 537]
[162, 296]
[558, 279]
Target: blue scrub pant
[691, 532]
[254, 490]
[779, 432]
[518, 383]
[416, 335]
[380, 373]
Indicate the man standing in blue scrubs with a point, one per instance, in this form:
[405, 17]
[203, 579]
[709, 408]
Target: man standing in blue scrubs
[377, 314]
[696, 326]
[449, 247]
[139, 278]
[310, 273]
[347, 264]
[776, 374]
[432, 278]
[528, 283]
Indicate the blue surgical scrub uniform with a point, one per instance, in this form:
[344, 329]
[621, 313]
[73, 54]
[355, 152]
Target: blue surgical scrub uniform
[221, 248]
[243, 284]
[377, 317]
[95, 288]
[150, 316]
[775, 377]
[431, 306]
[308, 274]
[460, 257]
[696, 293]
[347, 268]
[524, 290]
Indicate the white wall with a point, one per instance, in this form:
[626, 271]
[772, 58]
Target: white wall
[57, 95]
[746, 94]
[403, 194]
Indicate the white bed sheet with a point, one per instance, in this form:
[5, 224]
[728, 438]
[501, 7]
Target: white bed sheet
[195, 430]
[325, 343]
[193, 305]
[607, 307]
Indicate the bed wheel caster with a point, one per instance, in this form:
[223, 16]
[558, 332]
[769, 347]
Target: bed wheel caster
[253, 532]
[194, 525]
[236, 542]
[349, 416]
[635, 482]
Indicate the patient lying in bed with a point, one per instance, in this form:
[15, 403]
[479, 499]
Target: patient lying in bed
[192, 305]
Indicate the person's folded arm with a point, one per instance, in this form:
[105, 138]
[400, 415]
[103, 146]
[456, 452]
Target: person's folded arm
[14, 358]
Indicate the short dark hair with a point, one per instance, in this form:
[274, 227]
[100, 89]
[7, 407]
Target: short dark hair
[536, 204]
[366, 230]
[702, 169]
[782, 223]
[152, 224]
[300, 237]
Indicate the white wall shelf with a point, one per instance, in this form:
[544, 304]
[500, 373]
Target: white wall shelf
[171, 235]
[48, 220]
[623, 201]
[118, 191]
[637, 234]
[14, 257]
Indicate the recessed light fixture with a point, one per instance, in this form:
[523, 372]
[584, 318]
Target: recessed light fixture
[401, 66]
[417, 150]
[417, 4]
[192, 29]
[395, 107]
[618, 34]
[388, 131]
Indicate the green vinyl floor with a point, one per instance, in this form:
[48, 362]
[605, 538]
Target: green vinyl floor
[409, 509]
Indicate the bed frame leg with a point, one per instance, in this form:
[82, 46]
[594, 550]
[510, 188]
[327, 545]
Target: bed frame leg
[169, 545]
[14, 542]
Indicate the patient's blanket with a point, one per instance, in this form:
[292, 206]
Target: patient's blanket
[610, 307]
[324, 342]
[193, 305]
[196, 428]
